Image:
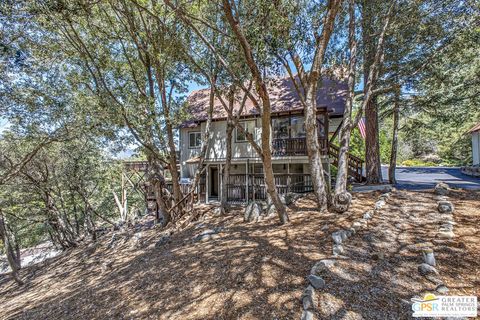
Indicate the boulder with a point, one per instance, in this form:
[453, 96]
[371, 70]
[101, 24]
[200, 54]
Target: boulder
[446, 235]
[426, 269]
[429, 257]
[163, 241]
[445, 207]
[308, 299]
[339, 236]
[316, 281]
[138, 240]
[368, 215]
[441, 189]
[338, 250]
[442, 289]
[252, 212]
[379, 204]
[322, 266]
[307, 315]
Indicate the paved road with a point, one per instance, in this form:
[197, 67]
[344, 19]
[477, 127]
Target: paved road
[417, 178]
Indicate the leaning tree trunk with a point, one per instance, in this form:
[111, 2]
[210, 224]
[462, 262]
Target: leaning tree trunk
[342, 198]
[228, 162]
[393, 152]
[266, 153]
[13, 256]
[157, 181]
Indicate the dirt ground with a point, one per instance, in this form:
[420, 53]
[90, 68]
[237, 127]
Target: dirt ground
[256, 270]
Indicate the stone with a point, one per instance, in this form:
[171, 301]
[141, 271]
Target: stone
[429, 257]
[368, 215]
[426, 269]
[218, 211]
[445, 207]
[338, 249]
[308, 299]
[163, 241]
[271, 210]
[379, 204]
[442, 289]
[316, 281]
[252, 212]
[446, 235]
[378, 255]
[307, 315]
[356, 225]
[138, 240]
[322, 266]
[339, 236]
[441, 189]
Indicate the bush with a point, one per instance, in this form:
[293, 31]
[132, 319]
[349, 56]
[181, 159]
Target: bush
[418, 163]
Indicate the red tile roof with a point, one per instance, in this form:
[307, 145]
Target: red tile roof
[283, 96]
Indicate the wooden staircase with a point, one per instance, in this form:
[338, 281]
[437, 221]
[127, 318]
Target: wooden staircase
[355, 164]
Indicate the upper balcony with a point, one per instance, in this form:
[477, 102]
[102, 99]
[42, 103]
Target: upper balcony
[288, 147]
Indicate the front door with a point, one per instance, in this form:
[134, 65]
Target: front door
[214, 182]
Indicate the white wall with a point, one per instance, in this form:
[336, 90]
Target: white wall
[217, 146]
[476, 147]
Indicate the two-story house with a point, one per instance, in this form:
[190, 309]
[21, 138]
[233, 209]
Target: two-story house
[289, 150]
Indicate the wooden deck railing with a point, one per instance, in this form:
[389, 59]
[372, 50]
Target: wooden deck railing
[355, 164]
[253, 185]
[295, 147]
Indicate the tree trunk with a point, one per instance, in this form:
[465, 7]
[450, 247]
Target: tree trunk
[313, 150]
[372, 148]
[13, 256]
[265, 112]
[228, 162]
[393, 152]
[342, 198]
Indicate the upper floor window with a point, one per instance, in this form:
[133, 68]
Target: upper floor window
[288, 127]
[194, 139]
[249, 127]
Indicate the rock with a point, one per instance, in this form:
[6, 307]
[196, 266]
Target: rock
[356, 225]
[338, 250]
[339, 236]
[368, 215]
[316, 281]
[138, 240]
[441, 189]
[442, 289]
[218, 211]
[252, 212]
[106, 266]
[322, 266]
[446, 235]
[307, 315]
[426, 269]
[288, 198]
[308, 299]
[429, 257]
[446, 227]
[378, 255]
[163, 241]
[445, 207]
[112, 241]
[271, 210]
[379, 204]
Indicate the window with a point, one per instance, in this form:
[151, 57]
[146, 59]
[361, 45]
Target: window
[249, 127]
[280, 128]
[194, 139]
[298, 127]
